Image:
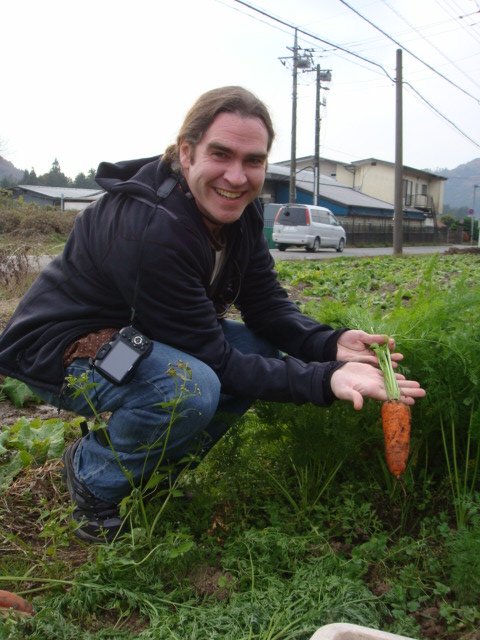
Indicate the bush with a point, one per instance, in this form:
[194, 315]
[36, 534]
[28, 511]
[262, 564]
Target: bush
[22, 220]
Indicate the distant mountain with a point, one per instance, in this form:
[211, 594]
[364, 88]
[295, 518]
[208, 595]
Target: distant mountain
[7, 170]
[460, 183]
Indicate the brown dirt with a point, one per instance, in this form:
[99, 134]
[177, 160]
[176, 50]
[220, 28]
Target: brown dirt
[454, 250]
[7, 307]
[211, 581]
[28, 507]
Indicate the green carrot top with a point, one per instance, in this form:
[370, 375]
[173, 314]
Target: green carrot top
[385, 362]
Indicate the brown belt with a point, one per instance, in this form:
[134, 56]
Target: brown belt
[87, 346]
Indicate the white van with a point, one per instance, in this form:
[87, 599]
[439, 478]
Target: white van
[309, 226]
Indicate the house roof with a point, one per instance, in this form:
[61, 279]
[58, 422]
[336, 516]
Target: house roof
[331, 189]
[65, 193]
[309, 159]
[357, 163]
[392, 164]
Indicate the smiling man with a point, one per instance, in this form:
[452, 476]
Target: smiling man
[136, 306]
[225, 171]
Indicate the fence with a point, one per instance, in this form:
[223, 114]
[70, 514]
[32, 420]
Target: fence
[361, 233]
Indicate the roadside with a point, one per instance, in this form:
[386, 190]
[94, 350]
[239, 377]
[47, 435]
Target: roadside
[325, 254]
[356, 252]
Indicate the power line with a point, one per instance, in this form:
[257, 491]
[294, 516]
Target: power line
[410, 52]
[442, 115]
[334, 46]
[434, 46]
[311, 35]
[453, 13]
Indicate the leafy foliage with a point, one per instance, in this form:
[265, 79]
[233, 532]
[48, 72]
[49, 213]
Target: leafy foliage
[17, 392]
[295, 521]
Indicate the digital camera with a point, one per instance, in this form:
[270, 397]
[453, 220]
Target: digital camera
[118, 359]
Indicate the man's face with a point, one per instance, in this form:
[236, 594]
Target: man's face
[225, 171]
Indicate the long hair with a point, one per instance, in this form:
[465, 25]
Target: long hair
[208, 106]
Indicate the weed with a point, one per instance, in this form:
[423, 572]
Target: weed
[462, 473]
[294, 519]
[464, 560]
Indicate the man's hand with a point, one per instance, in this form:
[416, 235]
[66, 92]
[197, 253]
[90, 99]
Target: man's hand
[354, 346]
[356, 381]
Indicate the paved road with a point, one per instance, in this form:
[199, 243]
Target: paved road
[325, 254]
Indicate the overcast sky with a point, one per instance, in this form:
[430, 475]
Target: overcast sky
[92, 80]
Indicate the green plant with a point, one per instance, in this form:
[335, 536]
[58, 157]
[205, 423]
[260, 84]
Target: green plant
[462, 464]
[311, 481]
[17, 392]
[254, 558]
[464, 559]
[28, 442]
[162, 482]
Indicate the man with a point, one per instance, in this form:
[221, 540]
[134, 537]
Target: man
[174, 242]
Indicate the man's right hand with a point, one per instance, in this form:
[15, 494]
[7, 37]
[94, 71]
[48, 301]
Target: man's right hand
[355, 381]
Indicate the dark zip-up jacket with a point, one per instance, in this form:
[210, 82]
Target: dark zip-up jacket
[147, 227]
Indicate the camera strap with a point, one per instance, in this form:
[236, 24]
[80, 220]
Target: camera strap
[163, 191]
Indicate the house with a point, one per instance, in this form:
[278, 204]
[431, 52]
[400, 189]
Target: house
[343, 200]
[422, 190]
[365, 218]
[66, 198]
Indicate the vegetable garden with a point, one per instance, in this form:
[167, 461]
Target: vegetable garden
[293, 521]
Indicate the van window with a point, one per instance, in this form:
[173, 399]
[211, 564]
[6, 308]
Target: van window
[324, 217]
[294, 216]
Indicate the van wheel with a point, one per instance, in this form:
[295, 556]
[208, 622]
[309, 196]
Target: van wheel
[315, 246]
[341, 245]
[281, 247]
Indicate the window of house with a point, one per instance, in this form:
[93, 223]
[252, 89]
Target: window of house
[407, 187]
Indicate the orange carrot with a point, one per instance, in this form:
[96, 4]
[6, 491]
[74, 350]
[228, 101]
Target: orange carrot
[396, 432]
[12, 603]
[395, 415]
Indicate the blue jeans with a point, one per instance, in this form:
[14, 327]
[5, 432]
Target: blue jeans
[172, 407]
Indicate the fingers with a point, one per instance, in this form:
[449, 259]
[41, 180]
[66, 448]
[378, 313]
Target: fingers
[354, 397]
[355, 381]
[357, 401]
[396, 357]
[378, 338]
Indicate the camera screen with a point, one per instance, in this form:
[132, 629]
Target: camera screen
[119, 360]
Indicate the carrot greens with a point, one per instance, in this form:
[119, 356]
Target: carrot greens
[385, 363]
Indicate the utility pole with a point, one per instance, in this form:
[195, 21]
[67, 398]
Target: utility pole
[304, 62]
[398, 189]
[475, 187]
[293, 151]
[316, 159]
[322, 76]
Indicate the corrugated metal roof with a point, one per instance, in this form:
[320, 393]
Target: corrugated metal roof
[332, 189]
[67, 193]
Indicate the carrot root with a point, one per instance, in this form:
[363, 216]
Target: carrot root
[13, 603]
[396, 431]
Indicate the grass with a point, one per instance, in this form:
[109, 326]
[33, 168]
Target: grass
[295, 521]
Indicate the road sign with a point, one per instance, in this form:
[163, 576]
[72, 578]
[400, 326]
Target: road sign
[470, 212]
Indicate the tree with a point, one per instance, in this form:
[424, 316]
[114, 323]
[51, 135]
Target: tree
[449, 221]
[55, 177]
[83, 181]
[29, 177]
[91, 178]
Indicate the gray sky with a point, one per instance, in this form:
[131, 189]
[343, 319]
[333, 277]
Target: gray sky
[112, 79]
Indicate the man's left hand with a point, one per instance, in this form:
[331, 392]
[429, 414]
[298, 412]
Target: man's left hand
[354, 346]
